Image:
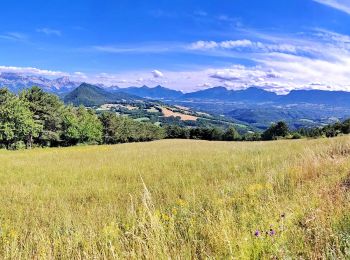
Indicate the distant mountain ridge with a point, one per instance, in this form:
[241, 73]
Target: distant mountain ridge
[157, 92]
[17, 82]
[61, 86]
[251, 94]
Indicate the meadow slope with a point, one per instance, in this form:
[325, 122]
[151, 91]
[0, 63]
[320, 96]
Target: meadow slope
[178, 199]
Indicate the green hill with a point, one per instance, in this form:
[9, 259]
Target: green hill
[90, 95]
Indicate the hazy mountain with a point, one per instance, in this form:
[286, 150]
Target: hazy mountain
[157, 92]
[17, 82]
[251, 94]
[332, 98]
[90, 95]
[256, 95]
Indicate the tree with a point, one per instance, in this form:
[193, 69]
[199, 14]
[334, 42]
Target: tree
[47, 109]
[346, 127]
[118, 129]
[231, 134]
[89, 126]
[177, 132]
[80, 125]
[276, 131]
[16, 121]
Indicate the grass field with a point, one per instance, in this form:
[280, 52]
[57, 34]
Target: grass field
[178, 199]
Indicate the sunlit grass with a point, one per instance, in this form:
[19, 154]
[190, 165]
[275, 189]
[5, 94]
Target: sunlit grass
[178, 199]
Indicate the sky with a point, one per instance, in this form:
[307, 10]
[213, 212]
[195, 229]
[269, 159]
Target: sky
[186, 45]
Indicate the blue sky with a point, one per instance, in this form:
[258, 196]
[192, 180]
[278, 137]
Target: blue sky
[189, 45]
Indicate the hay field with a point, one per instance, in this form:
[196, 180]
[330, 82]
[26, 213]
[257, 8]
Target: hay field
[177, 199]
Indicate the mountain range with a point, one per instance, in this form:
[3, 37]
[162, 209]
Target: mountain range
[17, 82]
[157, 92]
[253, 95]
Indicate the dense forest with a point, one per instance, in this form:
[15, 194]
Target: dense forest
[34, 118]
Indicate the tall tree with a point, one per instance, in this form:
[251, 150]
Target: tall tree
[47, 109]
[16, 121]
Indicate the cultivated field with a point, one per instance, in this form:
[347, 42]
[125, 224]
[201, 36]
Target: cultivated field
[178, 199]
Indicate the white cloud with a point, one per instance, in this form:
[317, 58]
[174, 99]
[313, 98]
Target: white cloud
[81, 75]
[342, 5]
[205, 45]
[14, 36]
[34, 71]
[49, 31]
[157, 74]
[245, 44]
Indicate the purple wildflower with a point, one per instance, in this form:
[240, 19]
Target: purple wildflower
[257, 233]
[272, 232]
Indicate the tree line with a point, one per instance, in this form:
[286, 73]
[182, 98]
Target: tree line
[332, 130]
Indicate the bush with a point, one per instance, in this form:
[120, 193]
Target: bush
[296, 136]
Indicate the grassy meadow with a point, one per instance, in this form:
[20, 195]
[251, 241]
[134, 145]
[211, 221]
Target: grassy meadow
[178, 199]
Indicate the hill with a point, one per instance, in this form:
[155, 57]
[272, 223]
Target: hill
[174, 198]
[90, 95]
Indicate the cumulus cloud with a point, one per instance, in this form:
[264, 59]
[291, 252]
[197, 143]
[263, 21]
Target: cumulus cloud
[157, 74]
[342, 5]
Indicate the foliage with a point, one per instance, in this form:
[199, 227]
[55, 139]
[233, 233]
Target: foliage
[118, 129]
[81, 125]
[47, 110]
[231, 134]
[41, 119]
[332, 130]
[177, 132]
[16, 121]
[276, 131]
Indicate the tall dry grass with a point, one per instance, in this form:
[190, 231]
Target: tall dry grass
[178, 199]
